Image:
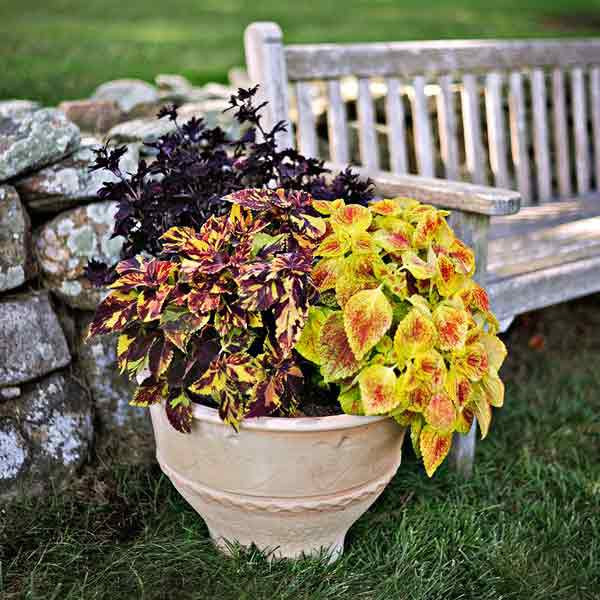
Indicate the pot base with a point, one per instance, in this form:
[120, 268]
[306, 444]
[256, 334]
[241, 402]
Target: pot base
[280, 527]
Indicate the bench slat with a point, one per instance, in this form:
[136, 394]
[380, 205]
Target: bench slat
[496, 129]
[561, 133]
[541, 152]
[447, 124]
[472, 128]
[532, 218]
[367, 135]
[532, 291]
[407, 59]
[394, 110]
[518, 136]
[544, 248]
[422, 126]
[582, 157]
[595, 111]
[337, 123]
[307, 134]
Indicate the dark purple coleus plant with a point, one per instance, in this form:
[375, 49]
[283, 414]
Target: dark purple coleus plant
[196, 166]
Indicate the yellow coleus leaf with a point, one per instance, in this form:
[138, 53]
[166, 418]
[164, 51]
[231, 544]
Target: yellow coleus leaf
[448, 280]
[434, 448]
[352, 218]
[378, 391]
[335, 355]
[481, 409]
[326, 272]
[473, 361]
[362, 243]
[452, 325]
[493, 388]
[308, 344]
[350, 401]
[430, 366]
[426, 227]
[440, 412]
[415, 333]
[327, 207]
[336, 244]
[367, 317]
[394, 241]
[459, 387]
[386, 207]
[418, 268]
[358, 272]
[495, 349]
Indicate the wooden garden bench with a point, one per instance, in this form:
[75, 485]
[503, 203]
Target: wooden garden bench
[465, 122]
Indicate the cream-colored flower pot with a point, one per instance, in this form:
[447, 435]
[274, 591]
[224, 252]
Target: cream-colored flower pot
[290, 486]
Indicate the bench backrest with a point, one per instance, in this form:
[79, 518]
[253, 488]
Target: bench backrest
[515, 114]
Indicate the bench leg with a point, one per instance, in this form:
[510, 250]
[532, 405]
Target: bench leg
[462, 453]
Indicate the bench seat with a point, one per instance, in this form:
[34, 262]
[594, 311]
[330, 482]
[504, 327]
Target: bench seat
[542, 266]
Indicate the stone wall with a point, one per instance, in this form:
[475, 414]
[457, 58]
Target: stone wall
[61, 399]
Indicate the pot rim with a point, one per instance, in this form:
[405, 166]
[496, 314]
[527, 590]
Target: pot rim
[287, 424]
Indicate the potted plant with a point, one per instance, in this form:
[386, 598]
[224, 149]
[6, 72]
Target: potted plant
[286, 344]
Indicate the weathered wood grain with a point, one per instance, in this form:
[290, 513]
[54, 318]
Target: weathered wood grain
[337, 123]
[422, 129]
[541, 151]
[532, 291]
[455, 195]
[448, 127]
[472, 129]
[307, 132]
[407, 59]
[367, 135]
[496, 129]
[582, 150]
[561, 134]
[519, 136]
[395, 117]
[267, 66]
[531, 218]
[595, 112]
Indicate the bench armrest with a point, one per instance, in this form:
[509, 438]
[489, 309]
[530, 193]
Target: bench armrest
[455, 195]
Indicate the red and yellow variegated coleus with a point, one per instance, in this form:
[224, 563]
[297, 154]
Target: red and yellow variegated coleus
[400, 325]
[380, 299]
[216, 316]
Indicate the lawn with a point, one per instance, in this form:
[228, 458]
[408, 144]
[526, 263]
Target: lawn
[527, 525]
[52, 50]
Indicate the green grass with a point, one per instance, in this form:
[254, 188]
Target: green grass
[51, 50]
[526, 526]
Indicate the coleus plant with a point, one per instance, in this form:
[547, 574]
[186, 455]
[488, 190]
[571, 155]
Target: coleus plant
[400, 326]
[380, 300]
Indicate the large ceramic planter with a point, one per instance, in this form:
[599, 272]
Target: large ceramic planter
[290, 486]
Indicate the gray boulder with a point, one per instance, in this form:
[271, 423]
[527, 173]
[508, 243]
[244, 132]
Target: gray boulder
[31, 140]
[129, 94]
[69, 182]
[17, 107]
[65, 245]
[32, 342]
[14, 453]
[53, 436]
[149, 130]
[140, 131]
[16, 257]
[92, 115]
